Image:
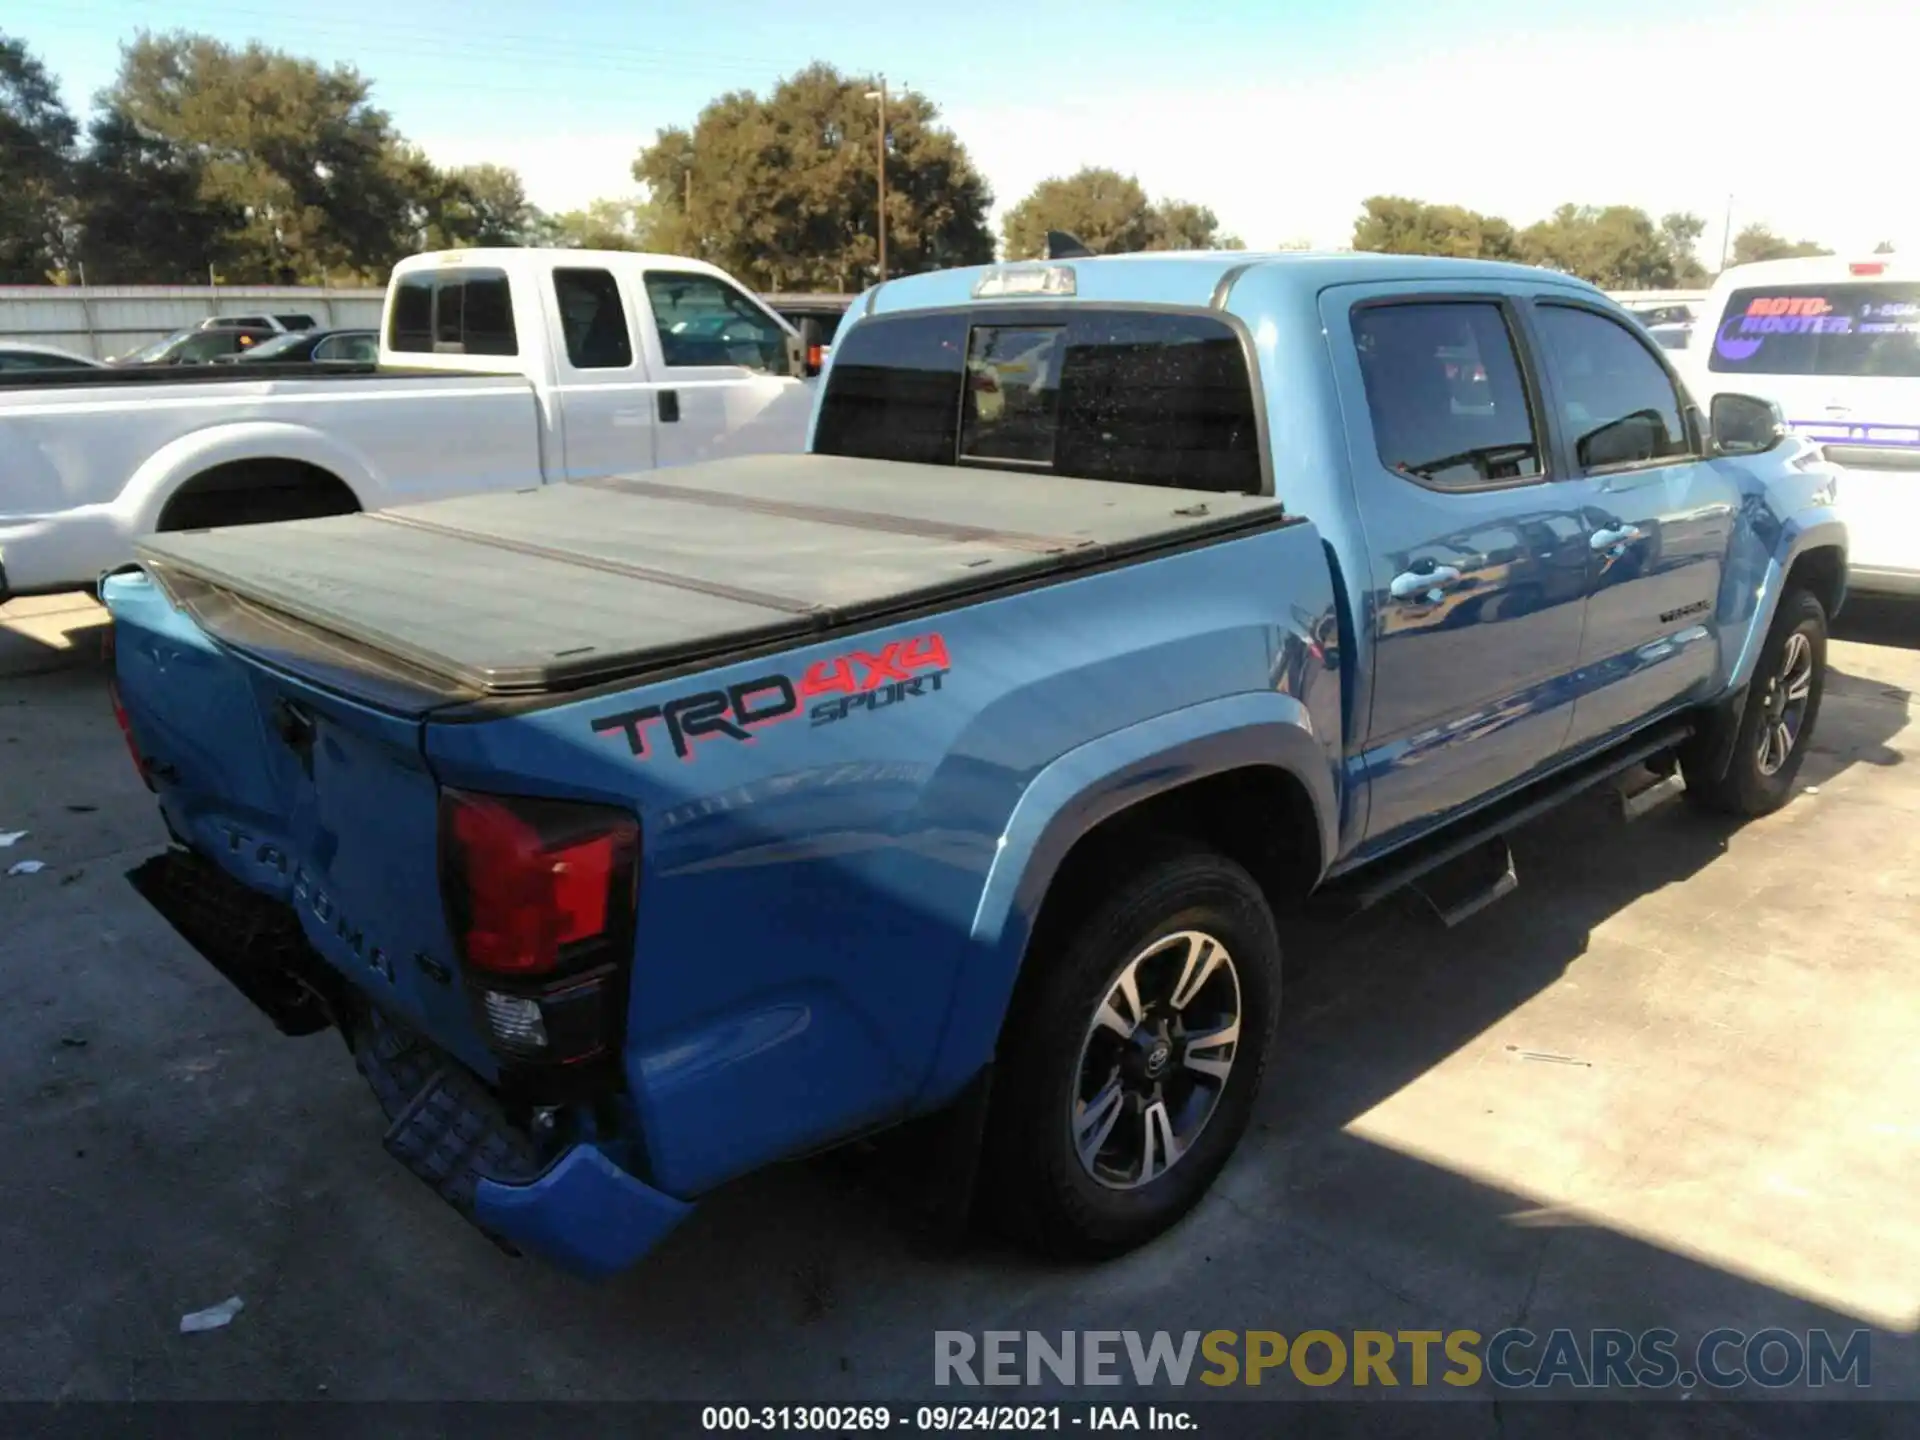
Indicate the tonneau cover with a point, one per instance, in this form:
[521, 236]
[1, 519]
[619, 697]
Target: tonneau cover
[571, 584]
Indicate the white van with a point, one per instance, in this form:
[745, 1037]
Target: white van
[1837, 343]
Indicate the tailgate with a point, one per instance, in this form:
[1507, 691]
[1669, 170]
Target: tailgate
[317, 801]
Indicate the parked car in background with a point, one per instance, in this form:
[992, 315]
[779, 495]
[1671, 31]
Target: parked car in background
[17, 357]
[1653, 315]
[317, 347]
[1675, 335]
[497, 369]
[199, 345]
[975, 767]
[1837, 343]
[294, 321]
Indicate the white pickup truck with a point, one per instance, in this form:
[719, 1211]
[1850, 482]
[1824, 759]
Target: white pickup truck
[498, 369]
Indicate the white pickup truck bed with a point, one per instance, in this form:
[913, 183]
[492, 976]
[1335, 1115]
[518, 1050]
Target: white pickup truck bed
[499, 370]
[86, 468]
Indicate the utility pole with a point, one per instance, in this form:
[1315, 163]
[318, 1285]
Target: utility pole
[1726, 236]
[881, 96]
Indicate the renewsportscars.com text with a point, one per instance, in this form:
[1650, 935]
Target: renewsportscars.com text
[1514, 1358]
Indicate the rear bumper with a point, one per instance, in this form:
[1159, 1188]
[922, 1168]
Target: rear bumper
[578, 1210]
[585, 1214]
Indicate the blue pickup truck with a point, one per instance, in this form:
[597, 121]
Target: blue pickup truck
[968, 769]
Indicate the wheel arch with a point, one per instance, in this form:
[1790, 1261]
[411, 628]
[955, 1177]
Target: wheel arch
[174, 467]
[1813, 556]
[1211, 772]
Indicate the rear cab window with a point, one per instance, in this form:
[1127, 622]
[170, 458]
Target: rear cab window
[453, 312]
[1844, 330]
[1139, 396]
[593, 320]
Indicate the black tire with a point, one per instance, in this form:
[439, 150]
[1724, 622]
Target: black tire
[1034, 1182]
[1757, 784]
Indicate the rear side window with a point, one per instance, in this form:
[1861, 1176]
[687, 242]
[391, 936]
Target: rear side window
[1842, 330]
[1151, 398]
[592, 319]
[296, 322]
[1615, 399]
[1445, 394]
[352, 349]
[453, 312]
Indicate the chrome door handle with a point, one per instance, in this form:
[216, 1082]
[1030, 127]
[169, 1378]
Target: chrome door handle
[1427, 585]
[1615, 540]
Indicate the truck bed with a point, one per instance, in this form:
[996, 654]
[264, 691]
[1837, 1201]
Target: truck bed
[537, 591]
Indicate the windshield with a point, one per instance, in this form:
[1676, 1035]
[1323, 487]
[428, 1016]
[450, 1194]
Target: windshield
[159, 348]
[276, 347]
[1871, 329]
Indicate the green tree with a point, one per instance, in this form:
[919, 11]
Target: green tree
[479, 205]
[1111, 215]
[144, 218]
[1681, 233]
[1396, 225]
[1181, 225]
[627, 223]
[1617, 247]
[37, 135]
[1105, 210]
[783, 191]
[310, 179]
[1758, 242]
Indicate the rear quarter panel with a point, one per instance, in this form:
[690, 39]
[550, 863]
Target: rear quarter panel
[832, 911]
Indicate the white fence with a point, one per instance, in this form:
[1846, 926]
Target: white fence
[106, 320]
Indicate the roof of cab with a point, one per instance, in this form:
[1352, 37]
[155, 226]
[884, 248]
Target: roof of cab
[1181, 277]
[519, 257]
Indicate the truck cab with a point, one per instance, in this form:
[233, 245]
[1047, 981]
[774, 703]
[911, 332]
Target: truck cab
[638, 361]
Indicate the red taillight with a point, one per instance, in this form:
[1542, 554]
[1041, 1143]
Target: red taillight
[537, 886]
[1867, 267]
[816, 358]
[126, 731]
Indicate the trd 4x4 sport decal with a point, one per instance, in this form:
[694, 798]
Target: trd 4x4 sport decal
[847, 685]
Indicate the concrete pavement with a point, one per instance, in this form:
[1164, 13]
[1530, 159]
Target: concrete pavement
[1672, 1081]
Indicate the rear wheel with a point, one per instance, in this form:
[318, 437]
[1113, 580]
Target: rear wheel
[1776, 725]
[1130, 1063]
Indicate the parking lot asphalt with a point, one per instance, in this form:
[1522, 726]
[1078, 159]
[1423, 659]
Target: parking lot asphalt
[1672, 1081]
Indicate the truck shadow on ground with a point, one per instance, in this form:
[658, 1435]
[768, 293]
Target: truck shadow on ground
[1877, 621]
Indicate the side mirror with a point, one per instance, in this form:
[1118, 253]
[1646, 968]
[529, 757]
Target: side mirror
[1747, 425]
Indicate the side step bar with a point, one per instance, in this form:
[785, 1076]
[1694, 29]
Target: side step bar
[1490, 874]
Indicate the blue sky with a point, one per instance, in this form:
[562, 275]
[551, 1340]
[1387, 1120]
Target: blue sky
[1281, 116]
